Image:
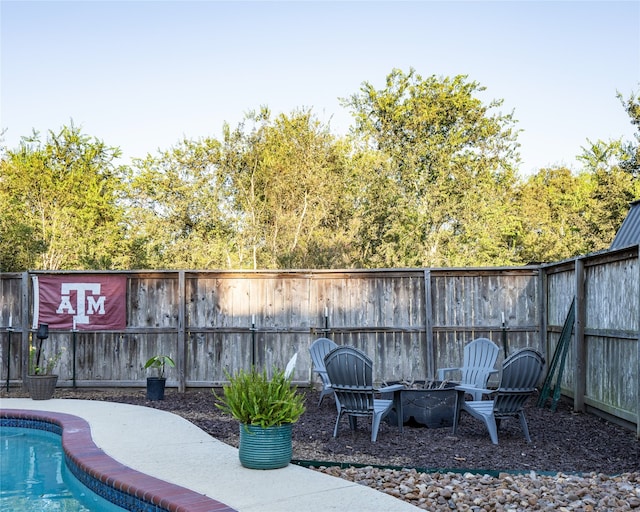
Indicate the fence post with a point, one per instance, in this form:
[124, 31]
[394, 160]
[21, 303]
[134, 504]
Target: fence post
[543, 318]
[578, 333]
[182, 341]
[428, 325]
[24, 328]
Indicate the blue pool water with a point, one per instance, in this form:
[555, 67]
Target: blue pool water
[34, 476]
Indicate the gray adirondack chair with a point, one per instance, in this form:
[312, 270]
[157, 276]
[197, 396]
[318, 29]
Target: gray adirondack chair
[478, 364]
[521, 374]
[351, 374]
[318, 349]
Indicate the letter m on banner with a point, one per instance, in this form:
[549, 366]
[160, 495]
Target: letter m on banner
[89, 302]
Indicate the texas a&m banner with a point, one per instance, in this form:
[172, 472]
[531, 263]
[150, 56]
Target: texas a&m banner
[84, 302]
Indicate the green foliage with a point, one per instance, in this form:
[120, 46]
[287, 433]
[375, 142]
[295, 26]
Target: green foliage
[426, 178]
[446, 163]
[254, 399]
[158, 363]
[552, 206]
[564, 214]
[614, 186]
[36, 367]
[286, 179]
[59, 202]
[176, 209]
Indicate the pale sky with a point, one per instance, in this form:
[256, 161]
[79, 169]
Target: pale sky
[143, 75]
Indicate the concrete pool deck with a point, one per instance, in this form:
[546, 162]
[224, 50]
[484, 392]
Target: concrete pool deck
[165, 446]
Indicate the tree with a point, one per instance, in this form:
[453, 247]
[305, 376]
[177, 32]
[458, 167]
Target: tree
[566, 214]
[59, 201]
[439, 194]
[287, 182]
[553, 205]
[631, 160]
[177, 209]
[615, 185]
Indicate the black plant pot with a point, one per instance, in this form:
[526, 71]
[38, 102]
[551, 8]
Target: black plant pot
[155, 388]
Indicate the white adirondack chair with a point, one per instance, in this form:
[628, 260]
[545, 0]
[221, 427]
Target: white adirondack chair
[478, 365]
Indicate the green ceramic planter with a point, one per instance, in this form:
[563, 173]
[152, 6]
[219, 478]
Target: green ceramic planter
[265, 448]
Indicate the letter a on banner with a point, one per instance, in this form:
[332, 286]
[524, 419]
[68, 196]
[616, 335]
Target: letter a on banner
[91, 302]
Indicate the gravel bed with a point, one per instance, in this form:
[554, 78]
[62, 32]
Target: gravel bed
[482, 492]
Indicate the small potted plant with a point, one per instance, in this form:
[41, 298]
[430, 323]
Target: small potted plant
[156, 383]
[266, 409]
[41, 381]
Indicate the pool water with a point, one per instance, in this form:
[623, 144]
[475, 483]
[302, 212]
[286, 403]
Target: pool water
[34, 476]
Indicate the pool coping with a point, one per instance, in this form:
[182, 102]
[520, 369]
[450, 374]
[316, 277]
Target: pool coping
[107, 477]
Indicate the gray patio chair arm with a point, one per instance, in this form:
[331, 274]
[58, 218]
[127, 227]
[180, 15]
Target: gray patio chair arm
[391, 389]
[441, 371]
[475, 389]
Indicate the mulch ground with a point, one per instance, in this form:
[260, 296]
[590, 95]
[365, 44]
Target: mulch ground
[561, 440]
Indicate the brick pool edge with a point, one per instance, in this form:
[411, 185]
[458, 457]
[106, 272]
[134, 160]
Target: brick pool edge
[104, 475]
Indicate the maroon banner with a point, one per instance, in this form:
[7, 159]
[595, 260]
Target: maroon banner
[87, 302]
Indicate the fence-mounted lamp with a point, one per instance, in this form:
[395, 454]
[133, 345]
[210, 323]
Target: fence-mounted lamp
[43, 332]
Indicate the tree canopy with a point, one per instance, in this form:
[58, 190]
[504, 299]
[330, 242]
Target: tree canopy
[428, 176]
[446, 166]
[59, 203]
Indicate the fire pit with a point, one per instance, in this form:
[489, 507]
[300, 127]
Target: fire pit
[425, 404]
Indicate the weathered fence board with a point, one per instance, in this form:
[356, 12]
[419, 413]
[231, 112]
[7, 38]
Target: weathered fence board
[612, 316]
[153, 301]
[602, 371]
[472, 304]
[610, 384]
[11, 308]
[610, 290]
[561, 288]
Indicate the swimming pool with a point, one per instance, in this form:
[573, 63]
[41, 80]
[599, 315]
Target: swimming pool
[107, 477]
[35, 476]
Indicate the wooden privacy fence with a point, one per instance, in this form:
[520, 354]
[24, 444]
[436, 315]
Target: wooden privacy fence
[410, 321]
[602, 370]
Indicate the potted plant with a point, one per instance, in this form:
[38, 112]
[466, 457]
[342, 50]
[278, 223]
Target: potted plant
[266, 409]
[41, 381]
[156, 383]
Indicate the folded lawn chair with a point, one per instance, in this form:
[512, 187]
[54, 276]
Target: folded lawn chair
[521, 374]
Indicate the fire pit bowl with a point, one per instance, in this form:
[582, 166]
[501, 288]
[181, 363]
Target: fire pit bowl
[425, 404]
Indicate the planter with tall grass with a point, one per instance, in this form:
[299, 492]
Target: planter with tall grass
[266, 409]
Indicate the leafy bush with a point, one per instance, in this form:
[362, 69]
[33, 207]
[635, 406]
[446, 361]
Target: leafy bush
[253, 399]
[46, 368]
